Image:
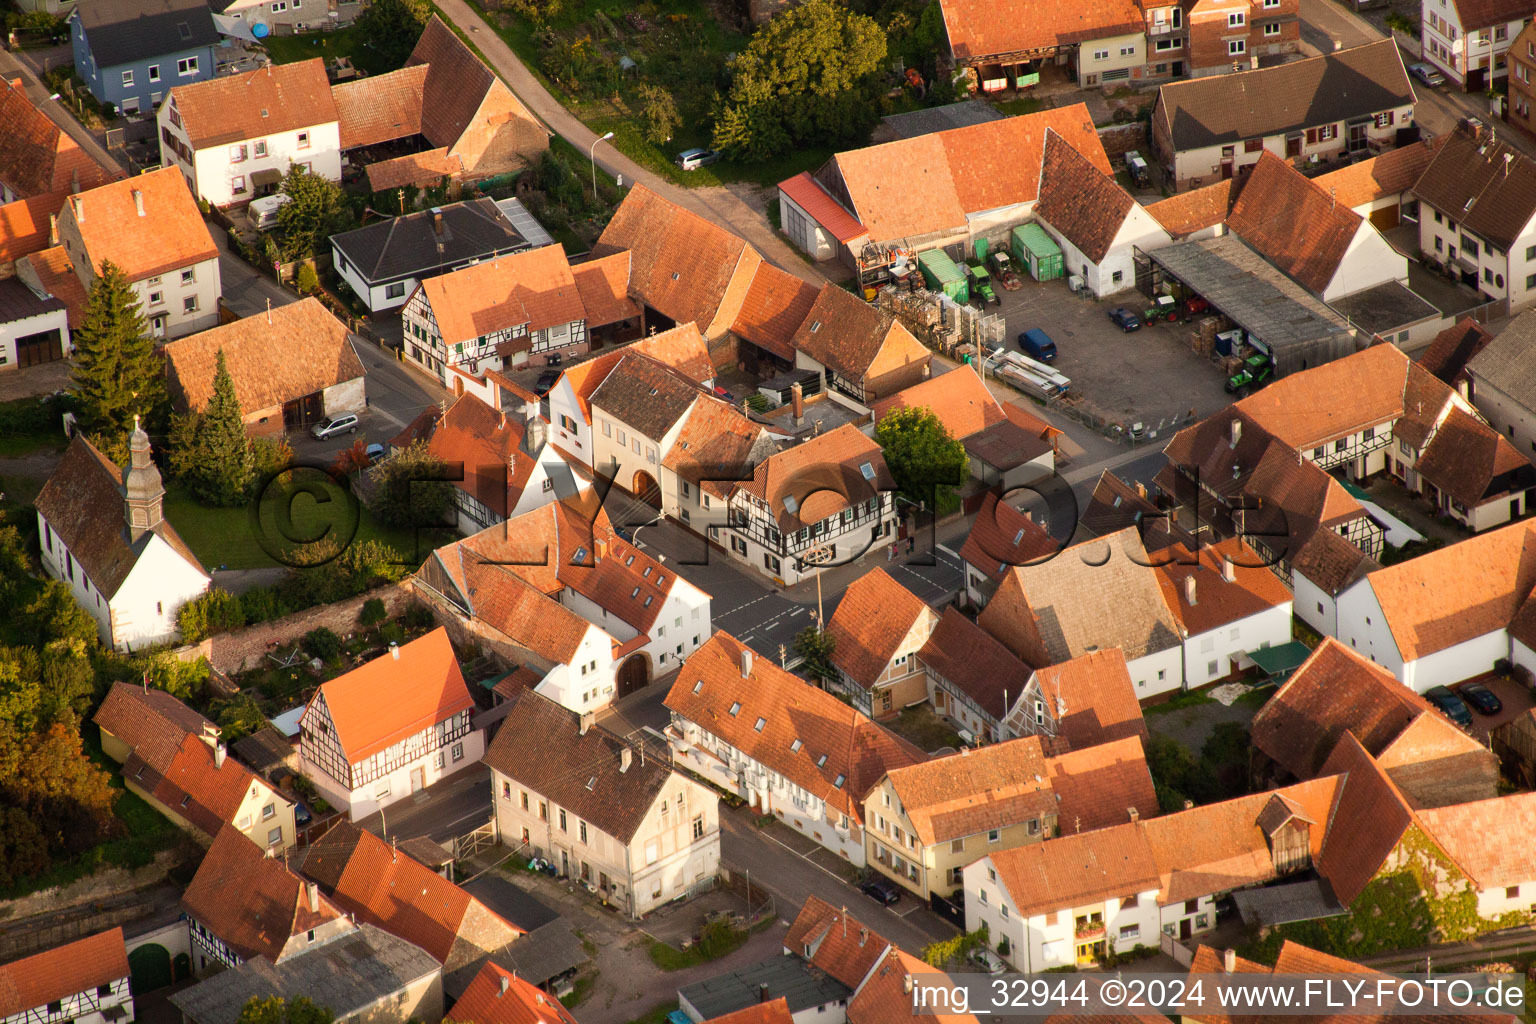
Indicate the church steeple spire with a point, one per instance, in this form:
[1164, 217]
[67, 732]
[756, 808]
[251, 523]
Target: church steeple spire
[143, 491]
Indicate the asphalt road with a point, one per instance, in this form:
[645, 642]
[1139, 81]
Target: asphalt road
[447, 808]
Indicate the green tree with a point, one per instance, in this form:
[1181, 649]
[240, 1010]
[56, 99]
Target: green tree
[388, 30]
[117, 373]
[220, 470]
[276, 1010]
[815, 647]
[807, 78]
[372, 613]
[658, 113]
[410, 488]
[927, 463]
[317, 208]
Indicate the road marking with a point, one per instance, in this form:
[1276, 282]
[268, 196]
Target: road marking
[948, 552]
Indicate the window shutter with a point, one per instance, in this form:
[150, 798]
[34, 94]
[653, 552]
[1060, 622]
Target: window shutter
[1311, 136]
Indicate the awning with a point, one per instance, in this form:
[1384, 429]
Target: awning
[266, 176]
[1279, 662]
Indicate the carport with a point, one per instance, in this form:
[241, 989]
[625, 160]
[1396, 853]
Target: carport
[1283, 317]
[1279, 663]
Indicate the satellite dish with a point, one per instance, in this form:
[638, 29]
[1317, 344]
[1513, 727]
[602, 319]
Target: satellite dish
[260, 30]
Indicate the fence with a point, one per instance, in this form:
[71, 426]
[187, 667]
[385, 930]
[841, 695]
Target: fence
[1176, 949]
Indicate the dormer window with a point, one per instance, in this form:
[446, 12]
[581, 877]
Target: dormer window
[868, 470]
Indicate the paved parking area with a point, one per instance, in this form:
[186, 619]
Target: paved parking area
[1149, 375]
[1517, 700]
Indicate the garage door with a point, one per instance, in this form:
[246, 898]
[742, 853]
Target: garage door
[1384, 220]
[42, 347]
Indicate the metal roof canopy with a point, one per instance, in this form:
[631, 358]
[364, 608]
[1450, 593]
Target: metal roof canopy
[1280, 662]
[1253, 294]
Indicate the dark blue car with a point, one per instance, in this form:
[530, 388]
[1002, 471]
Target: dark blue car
[1450, 705]
[1483, 700]
[1125, 319]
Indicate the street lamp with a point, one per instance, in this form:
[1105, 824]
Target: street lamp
[635, 537]
[592, 156]
[981, 366]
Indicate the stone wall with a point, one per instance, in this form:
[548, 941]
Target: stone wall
[53, 917]
[1120, 139]
[245, 648]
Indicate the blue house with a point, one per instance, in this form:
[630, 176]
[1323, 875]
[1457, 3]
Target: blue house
[132, 52]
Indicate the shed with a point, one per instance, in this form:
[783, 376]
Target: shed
[1038, 251]
[941, 274]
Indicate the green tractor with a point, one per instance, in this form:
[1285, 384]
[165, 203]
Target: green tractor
[1256, 372]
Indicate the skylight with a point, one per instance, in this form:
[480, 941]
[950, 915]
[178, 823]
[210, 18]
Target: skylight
[648, 599]
[1018, 538]
[868, 470]
[794, 748]
[760, 723]
[815, 326]
[790, 504]
[821, 761]
[735, 707]
[838, 782]
[630, 560]
[634, 593]
[591, 783]
[579, 557]
[646, 574]
[698, 686]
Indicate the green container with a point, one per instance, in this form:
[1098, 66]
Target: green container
[1035, 249]
[982, 247]
[941, 274]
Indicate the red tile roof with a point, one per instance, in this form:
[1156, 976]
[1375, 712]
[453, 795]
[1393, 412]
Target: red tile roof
[194, 785]
[885, 998]
[271, 100]
[1098, 786]
[252, 901]
[858, 340]
[958, 398]
[1197, 209]
[489, 446]
[839, 944]
[169, 235]
[1001, 536]
[1293, 223]
[57, 276]
[969, 658]
[1338, 398]
[25, 224]
[1489, 839]
[775, 1011]
[873, 618]
[36, 156]
[535, 288]
[380, 107]
[603, 285]
[842, 753]
[1076, 869]
[423, 169]
[1091, 698]
[1219, 602]
[806, 192]
[776, 304]
[1476, 14]
[1085, 204]
[151, 722]
[1390, 174]
[395, 696]
[1453, 348]
[828, 464]
[499, 996]
[978, 30]
[1369, 819]
[80, 966]
[1471, 462]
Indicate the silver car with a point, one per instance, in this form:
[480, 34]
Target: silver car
[988, 961]
[693, 159]
[342, 423]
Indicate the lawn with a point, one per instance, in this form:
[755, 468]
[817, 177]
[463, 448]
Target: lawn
[924, 729]
[225, 538]
[344, 42]
[31, 424]
[717, 940]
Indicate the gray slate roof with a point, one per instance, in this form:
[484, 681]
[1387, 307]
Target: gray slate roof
[941, 119]
[346, 974]
[1222, 109]
[1508, 362]
[124, 31]
[401, 247]
[543, 954]
[801, 986]
[18, 302]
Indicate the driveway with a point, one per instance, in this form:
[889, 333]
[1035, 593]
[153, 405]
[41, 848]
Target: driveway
[444, 810]
[719, 205]
[1517, 700]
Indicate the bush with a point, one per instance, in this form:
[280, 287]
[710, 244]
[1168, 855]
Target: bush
[322, 643]
[418, 616]
[391, 633]
[261, 604]
[217, 611]
[372, 613]
[306, 280]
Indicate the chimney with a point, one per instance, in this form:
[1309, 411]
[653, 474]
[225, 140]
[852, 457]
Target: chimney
[505, 983]
[762, 991]
[601, 546]
[625, 757]
[1237, 432]
[906, 984]
[218, 756]
[270, 853]
[1141, 489]
[394, 650]
[138, 201]
[586, 723]
[312, 891]
[79, 207]
[1134, 814]
[746, 663]
[797, 402]
[437, 222]
[1189, 590]
[1228, 570]
[53, 229]
[1229, 960]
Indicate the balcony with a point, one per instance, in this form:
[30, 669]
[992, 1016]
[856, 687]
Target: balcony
[1088, 931]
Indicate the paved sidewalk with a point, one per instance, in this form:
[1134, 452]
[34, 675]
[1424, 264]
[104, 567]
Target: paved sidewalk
[718, 205]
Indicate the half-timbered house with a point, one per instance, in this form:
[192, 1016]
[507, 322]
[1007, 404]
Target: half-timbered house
[84, 982]
[390, 728]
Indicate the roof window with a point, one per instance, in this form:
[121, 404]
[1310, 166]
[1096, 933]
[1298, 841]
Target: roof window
[648, 599]
[646, 572]
[867, 469]
[698, 686]
[760, 723]
[634, 593]
[184, 30]
[735, 707]
[838, 782]
[591, 783]
[790, 504]
[815, 326]
[580, 557]
[794, 748]
[821, 761]
[630, 560]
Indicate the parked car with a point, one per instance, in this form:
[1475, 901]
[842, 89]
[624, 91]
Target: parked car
[1449, 705]
[1124, 319]
[375, 453]
[722, 394]
[1483, 700]
[345, 423]
[882, 891]
[988, 961]
[301, 815]
[546, 381]
[1428, 74]
[1038, 345]
[693, 159]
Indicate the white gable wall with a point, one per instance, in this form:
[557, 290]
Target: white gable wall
[1367, 262]
[144, 608]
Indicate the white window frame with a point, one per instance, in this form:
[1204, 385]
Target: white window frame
[1237, 47]
[154, 72]
[128, 79]
[186, 66]
[1237, 19]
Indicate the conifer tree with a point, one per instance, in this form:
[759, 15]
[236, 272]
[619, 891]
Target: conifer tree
[221, 470]
[118, 374]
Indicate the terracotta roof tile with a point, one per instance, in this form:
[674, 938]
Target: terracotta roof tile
[969, 658]
[1184, 214]
[1083, 203]
[271, 100]
[1097, 786]
[1293, 223]
[775, 1011]
[873, 618]
[1114, 505]
[423, 169]
[317, 354]
[648, 396]
[1489, 839]
[858, 340]
[534, 287]
[777, 303]
[929, 183]
[252, 901]
[1369, 819]
[978, 30]
[1331, 562]
[395, 696]
[1001, 537]
[958, 398]
[1219, 602]
[717, 446]
[83, 503]
[1450, 355]
[151, 722]
[24, 224]
[499, 996]
[489, 446]
[386, 888]
[842, 753]
[1074, 870]
[1471, 462]
[807, 193]
[539, 745]
[36, 156]
[205, 793]
[682, 348]
[1485, 186]
[169, 235]
[57, 276]
[884, 998]
[1091, 698]
[841, 945]
[459, 92]
[1476, 14]
[1338, 398]
[681, 264]
[831, 463]
[380, 107]
[603, 285]
[1390, 174]
[33, 982]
